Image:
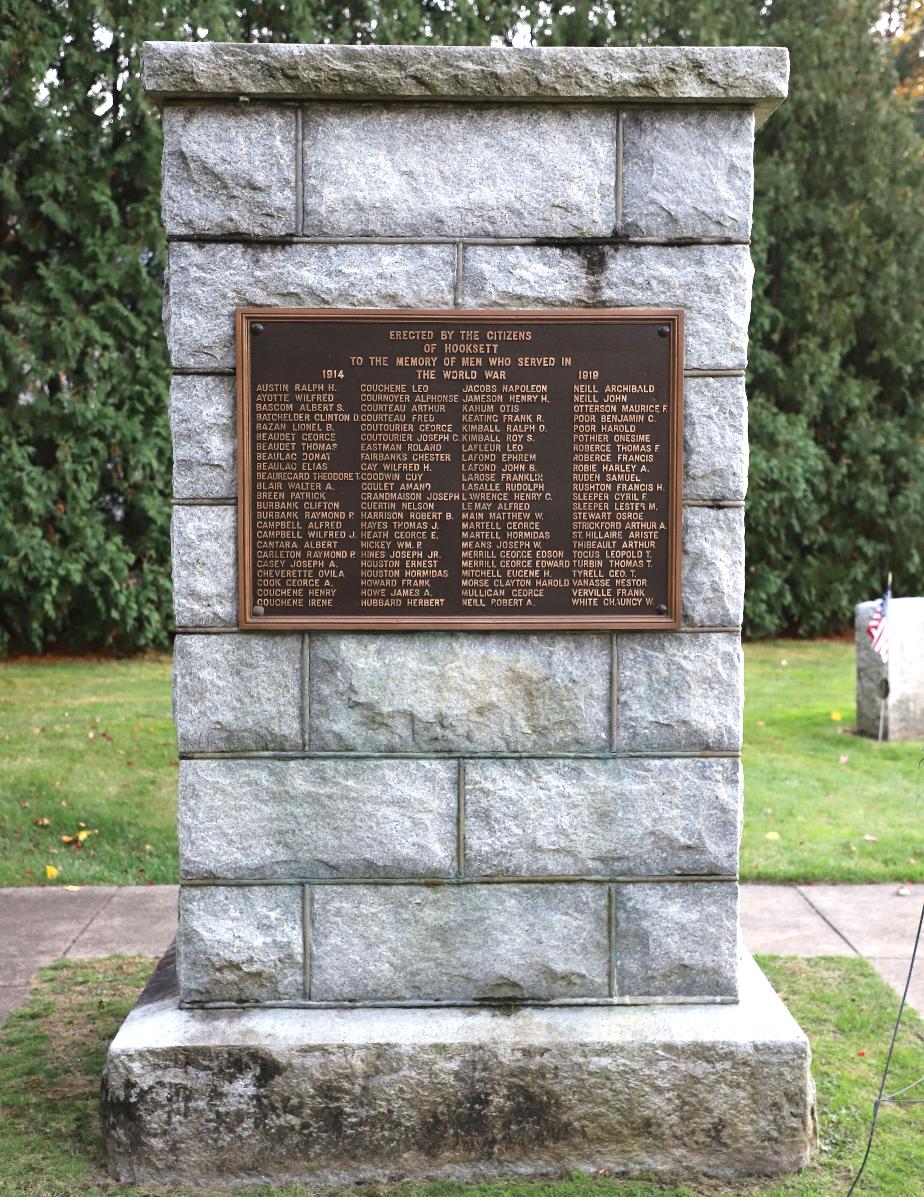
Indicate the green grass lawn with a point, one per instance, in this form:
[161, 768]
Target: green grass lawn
[822, 803]
[88, 746]
[52, 1051]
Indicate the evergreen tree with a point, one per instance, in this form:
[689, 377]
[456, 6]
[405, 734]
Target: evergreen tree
[84, 441]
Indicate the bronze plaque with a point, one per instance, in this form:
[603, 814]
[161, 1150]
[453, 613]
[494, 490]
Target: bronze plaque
[459, 469]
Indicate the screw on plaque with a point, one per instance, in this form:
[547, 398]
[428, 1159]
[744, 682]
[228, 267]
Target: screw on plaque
[259, 610]
[664, 331]
[661, 609]
[256, 329]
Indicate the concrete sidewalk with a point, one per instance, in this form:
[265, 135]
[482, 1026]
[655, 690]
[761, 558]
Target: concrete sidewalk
[39, 925]
[874, 921]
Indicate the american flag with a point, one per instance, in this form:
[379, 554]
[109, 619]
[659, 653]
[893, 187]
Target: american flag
[879, 625]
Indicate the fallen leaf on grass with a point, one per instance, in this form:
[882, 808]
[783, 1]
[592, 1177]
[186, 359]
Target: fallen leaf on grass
[772, 835]
[843, 759]
[836, 716]
[43, 822]
[50, 872]
[911, 860]
[76, 841]
[871, 839]
[91, 735]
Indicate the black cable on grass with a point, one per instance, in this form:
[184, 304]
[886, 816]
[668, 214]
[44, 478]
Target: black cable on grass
[892, 1098]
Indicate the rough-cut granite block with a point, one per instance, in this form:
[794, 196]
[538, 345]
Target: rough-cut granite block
[434, 1094]
[400, 170]
[715, 439]
[711, 282]
[237, 693]
[241, 943]
[713, 567]
[317, 818]
[204, 551]
[229, 168]
[457, 1095]
[687, 172]
[446, 691]
[678, 692]
[742, 75]
[677, 939]
[904, 707]
[458, 943]
[601, 818]
[206, 282]
[202, 420]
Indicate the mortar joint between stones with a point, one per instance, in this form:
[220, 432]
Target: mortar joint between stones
[459, 287]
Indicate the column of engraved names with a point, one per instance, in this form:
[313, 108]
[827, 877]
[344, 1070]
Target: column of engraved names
[618, 511]
[406, 437]
[303, 534]
[509, 556]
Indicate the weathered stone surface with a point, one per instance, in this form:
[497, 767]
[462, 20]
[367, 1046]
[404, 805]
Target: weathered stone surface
[241, 943]
[202, 420]
[206, 282]
[712, 578]
[400, 170]
[204, 550]
[455, 1094]
[458, 943]
[687, 172]
[711, 282]
[678, 693]
[317, 818]
[229, 168]
[733, 74]
[445, 691]
[677, 939]
[237, 692]
[715, 439]
[871, 673]
[904, 708]
[601, 817]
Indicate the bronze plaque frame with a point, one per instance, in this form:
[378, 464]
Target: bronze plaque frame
[671, 318]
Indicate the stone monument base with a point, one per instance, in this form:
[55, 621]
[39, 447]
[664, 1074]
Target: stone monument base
[338, 1096]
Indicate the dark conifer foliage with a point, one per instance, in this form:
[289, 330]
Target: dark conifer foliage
[837, 354]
